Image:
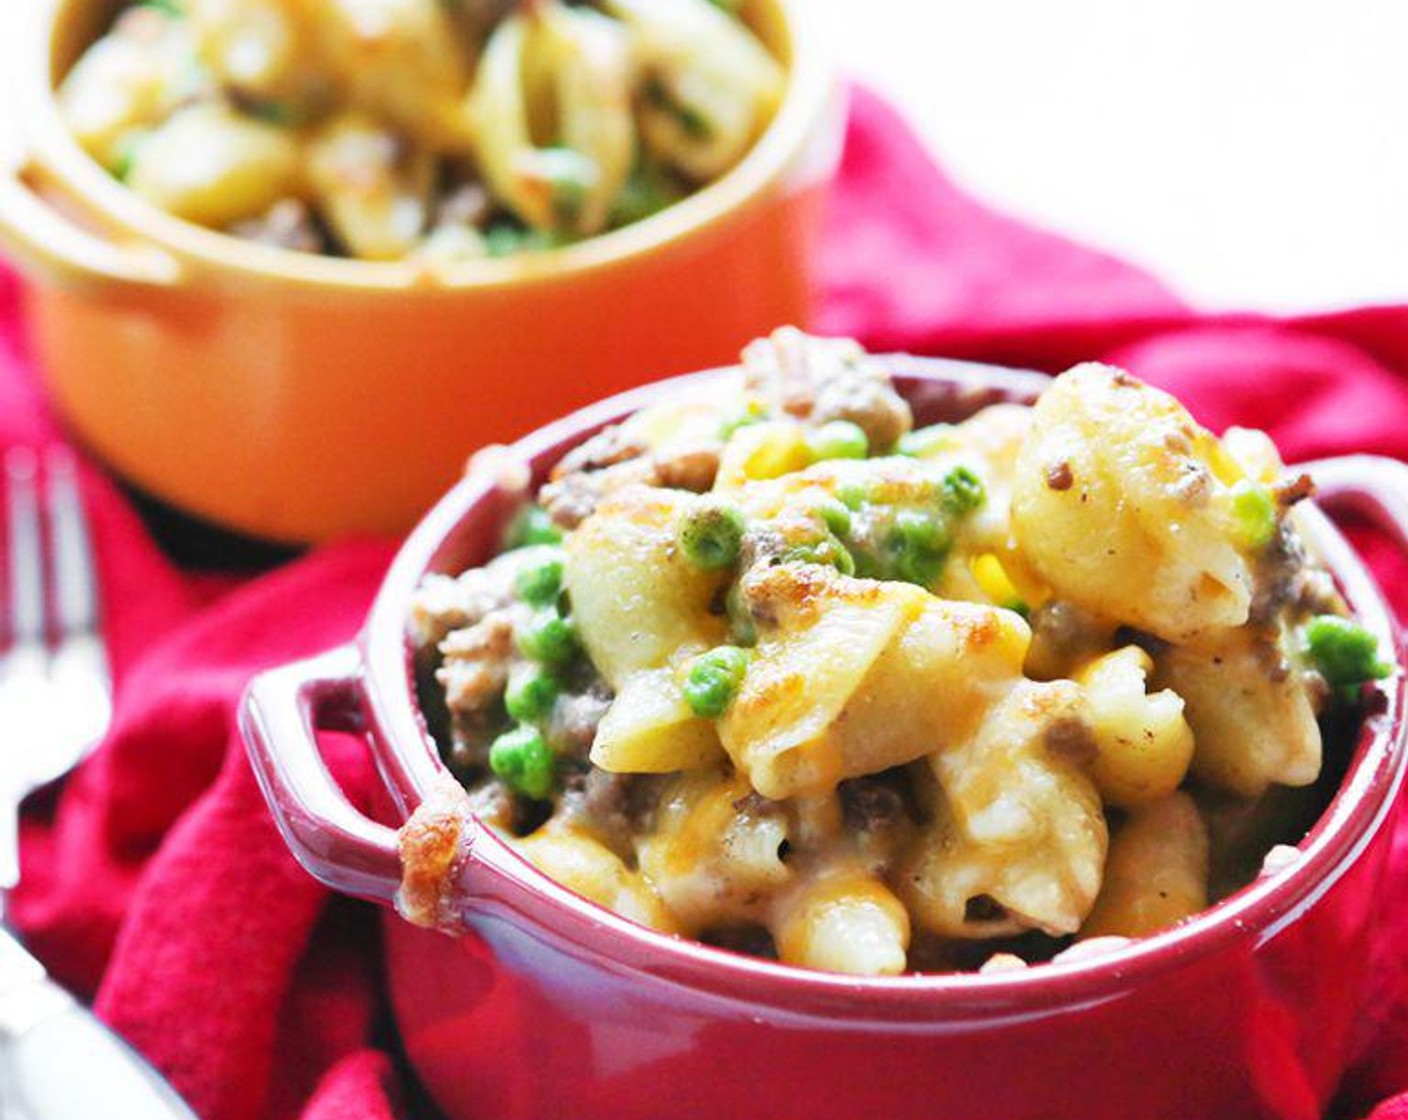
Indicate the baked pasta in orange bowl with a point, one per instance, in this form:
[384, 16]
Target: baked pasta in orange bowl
[935, 708]
[257, 230]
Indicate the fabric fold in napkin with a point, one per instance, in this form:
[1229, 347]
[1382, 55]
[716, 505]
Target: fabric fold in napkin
[155, 881]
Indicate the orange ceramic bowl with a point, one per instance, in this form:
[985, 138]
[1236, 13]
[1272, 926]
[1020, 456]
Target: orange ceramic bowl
[297, 397]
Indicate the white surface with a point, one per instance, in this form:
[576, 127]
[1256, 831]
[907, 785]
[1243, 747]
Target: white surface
[1254, 153]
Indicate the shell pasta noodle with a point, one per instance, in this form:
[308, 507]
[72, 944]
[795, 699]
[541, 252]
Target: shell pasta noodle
[772, 668]
[436, 130]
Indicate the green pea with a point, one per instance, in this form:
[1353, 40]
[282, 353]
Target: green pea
[1345, 654]
[634, 204]
[1254, 509]
[920, 569]
[547, 637]
[920, 541]
[691, 121]
[506, 239]
[570, 176]
[922, 531]
[926, 442]
[853, 495]
[524, 762]
[744, 419]
[127, 149]
[643, 196]
[835, 516]
[540, 581]
[828, 552]
[695, 123]
[533, 525]
[964, 491]
[711, 535]
[714, 679]
[839, 439]
[872, 563]
[276, 113]
[531, 694]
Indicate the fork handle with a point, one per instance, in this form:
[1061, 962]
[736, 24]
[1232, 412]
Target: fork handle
[70, 1066]
[9, 844]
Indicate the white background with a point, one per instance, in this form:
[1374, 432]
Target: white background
[1253, 152]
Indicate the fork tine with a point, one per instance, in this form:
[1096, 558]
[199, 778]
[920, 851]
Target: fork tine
[24, 621]
[24, 549]
[9, 850]
[79, 673]
[75, 597]
[56, 700]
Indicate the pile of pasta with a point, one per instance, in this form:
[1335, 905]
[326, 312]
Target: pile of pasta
[871, 699]
[442, 129]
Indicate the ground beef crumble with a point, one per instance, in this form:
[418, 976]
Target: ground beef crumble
[612, 460]
[617, 807]
[288, 224]
[823, 379]
[575, 718]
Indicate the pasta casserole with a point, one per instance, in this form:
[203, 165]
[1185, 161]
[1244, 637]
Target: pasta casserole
[438, 130]
[769, 667]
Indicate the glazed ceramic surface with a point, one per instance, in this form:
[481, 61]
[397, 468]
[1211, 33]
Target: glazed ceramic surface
[550, 1006]
[298, 397]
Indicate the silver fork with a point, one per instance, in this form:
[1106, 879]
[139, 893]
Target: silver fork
[55, 704]
[55, 684]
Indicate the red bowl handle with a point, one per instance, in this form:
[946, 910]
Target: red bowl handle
[281, 713]
[1372, 486]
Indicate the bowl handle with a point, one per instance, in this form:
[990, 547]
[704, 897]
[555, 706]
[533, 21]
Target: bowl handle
[1373, 486]
[48, 240]
[1370, 486]
[282, 711]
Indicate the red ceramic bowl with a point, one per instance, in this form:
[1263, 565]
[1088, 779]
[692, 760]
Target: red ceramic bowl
[550, 1006]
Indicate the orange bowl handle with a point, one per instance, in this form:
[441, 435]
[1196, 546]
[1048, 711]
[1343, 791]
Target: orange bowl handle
[42, 237]
[282, 712]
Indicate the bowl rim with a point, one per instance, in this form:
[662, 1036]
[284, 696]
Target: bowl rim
[782, 152]
[508, 887]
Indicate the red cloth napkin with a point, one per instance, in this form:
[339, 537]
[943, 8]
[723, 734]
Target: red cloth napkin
[157, 883]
